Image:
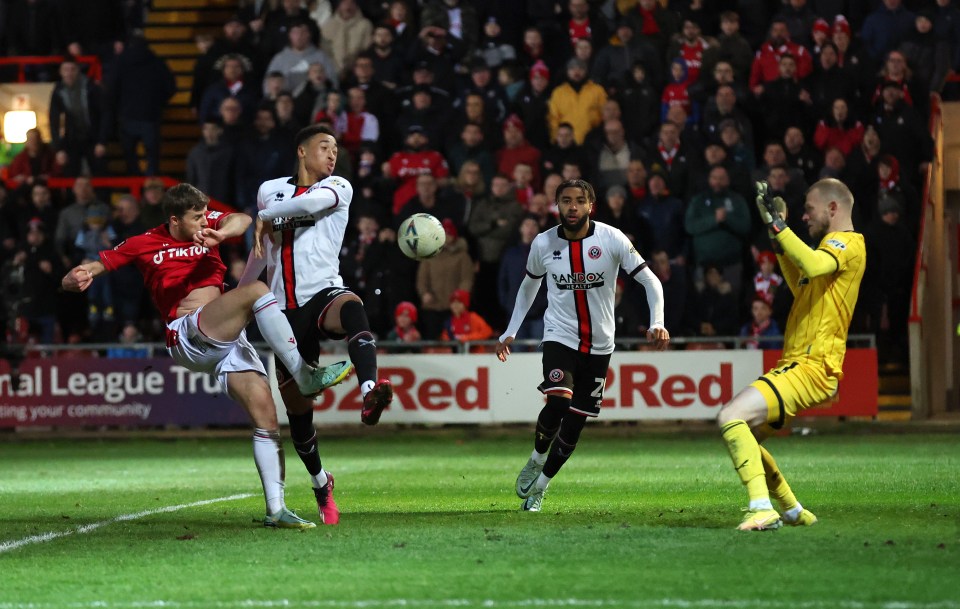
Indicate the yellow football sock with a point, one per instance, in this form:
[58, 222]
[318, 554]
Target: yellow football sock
[745, 453]
[776, 483]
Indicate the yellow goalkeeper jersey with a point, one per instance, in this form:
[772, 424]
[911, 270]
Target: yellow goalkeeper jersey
[824, 297]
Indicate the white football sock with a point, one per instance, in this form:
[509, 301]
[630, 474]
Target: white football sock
[543, 482]
[366, 387]
[268, 455]
[538, 458]
[277, 332]
[761, 504]
[793, 513]
[320, 480]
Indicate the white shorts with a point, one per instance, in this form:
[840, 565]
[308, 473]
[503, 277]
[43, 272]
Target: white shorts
[195, 351]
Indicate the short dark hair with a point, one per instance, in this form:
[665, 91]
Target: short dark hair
[180, 199]
[310, 131]
[578, 183]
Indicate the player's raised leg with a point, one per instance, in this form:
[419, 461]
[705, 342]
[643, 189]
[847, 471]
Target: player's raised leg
[746, 411]
[225, 317]
[563, 446]
[304, 436]
[346, 315]
[251, 391]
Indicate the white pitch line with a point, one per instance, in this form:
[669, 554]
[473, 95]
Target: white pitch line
[488, 603]
[86, 528]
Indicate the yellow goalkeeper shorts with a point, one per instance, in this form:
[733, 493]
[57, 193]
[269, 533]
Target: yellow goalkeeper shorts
[792, 387]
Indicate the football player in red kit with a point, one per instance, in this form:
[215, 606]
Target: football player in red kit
[181, 265]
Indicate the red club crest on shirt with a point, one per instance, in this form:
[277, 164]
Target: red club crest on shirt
[556, 375]
[594, 252]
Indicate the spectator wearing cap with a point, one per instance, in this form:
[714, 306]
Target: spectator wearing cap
[458, 18]
[766, 64]
[493, 225]
[799, 19]
[885, 290]
[885, 28]
[531, 105]
[423, 76]
[295, 59]
[819, 35]
[891, 186]
[613, 62]
[405, 325]
[463, 324]
[482, 83]
[233, 83]
[577, 101]
[440, 276]
[766, 280]
[95, 236]
[346, 34]
[414, 160]
[926, 52]
[494, 47]
[517, 150]
[849, 53]
[387, 62]
[664, 214]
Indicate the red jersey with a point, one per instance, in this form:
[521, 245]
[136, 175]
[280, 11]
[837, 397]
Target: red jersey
[692, 55]
[171, 269]
[406, 165]
[579, 30]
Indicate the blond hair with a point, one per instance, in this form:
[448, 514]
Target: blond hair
[832, 189]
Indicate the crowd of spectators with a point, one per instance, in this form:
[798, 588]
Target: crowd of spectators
[475, 111]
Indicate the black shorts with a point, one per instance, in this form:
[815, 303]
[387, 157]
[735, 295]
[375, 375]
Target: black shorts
[578, 376]
[307, 325]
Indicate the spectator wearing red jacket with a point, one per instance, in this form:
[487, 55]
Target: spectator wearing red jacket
[839, 131]
[517, 150]
[415, 160]
[464, 325]
[766, 63]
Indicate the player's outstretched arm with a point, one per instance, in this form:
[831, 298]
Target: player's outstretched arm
[80, 277]
[324, 195]
[525, 296]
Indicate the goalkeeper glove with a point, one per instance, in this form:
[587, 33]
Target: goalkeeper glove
[772, 209]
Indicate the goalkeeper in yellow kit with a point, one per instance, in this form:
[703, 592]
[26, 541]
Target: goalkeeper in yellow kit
[825, 282]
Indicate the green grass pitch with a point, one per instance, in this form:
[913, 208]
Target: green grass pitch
[430, 520]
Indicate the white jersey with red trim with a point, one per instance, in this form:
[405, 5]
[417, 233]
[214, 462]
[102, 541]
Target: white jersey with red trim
[308, 226]
[581, 278]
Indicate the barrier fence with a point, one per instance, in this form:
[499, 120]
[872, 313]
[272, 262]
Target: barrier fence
[432, 388]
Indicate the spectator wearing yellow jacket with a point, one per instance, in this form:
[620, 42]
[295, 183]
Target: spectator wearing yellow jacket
[577, 101]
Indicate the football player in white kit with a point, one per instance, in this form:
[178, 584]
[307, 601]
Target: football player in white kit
[580, 260]
[299, 233]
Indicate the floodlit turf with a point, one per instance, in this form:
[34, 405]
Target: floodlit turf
[430, 519]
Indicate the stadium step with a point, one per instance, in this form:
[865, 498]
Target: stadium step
[171, 28]
[894, 402]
